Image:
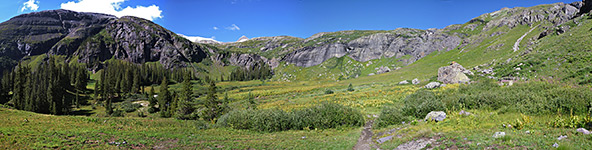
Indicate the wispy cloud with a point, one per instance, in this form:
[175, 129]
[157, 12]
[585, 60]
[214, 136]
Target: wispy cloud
[233, 27]
[215, 28]
[32, 5]
[113, 7]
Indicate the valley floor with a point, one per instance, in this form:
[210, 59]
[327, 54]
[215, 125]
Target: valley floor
[22, 130]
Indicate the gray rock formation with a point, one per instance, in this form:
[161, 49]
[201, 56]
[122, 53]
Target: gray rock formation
[583, 131]
[432, 85]
[455, 73]
[499, 134]
[398, 43]
[415, 81]
[382, 70]
[403, 82]
[435, 116]
[92, 36]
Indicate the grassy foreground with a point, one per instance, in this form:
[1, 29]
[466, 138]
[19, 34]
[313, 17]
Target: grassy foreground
[26, 130]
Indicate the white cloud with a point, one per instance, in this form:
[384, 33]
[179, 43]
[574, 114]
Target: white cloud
[32, 5]
[199, 39]
[113, 7]
[233, 27]
[215, 28]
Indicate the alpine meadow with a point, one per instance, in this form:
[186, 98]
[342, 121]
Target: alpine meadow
[515, 78]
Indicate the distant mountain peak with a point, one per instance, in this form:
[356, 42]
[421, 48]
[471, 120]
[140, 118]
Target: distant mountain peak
[199, 39]
[242, 39]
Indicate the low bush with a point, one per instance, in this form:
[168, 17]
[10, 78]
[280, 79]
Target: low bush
[323, 116]
[421, 103]
[532, 98]
[117, 113]
[390, 116]
[130, 107]
[328, 91]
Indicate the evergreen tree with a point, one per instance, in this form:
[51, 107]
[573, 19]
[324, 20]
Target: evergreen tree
[151, 98]
[350, 88]
[185, 107]
[212, 104]
[136, 83]
[164, 98]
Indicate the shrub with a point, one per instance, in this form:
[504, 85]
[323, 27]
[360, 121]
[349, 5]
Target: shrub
[421, 103]
[130, 107]
[350, 88]
[117, 113]
[326, 115]
[152, 110]
[390, 116]
[329, 91]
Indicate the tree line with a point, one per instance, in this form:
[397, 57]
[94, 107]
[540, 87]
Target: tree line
[48, 88]
[257, 71]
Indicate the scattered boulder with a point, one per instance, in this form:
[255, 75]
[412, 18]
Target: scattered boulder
[382, 70]
[432, 85]
[455, 73]
[499, 134]
[415, 81]
[562, 137]
[371, 74]
[435, 116]
[556, 145]
[583, 131]
[464, 113]
[417, 144]
[404, 82]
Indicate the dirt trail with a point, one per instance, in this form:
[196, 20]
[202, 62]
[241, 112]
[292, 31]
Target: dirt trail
[365, 141]
[516, 48]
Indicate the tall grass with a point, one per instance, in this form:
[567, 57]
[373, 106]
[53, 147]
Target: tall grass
[533, 98]
[323, 116]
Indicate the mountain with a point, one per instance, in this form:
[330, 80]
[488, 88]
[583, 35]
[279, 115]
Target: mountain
[198, 39]
[242, 39]
[489, 41]
[93, 36]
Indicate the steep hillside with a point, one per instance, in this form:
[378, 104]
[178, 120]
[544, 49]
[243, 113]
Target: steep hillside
[484, 41]
[92, 36]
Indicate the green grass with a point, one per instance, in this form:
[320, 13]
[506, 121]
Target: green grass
[77, 132]
[479, 129]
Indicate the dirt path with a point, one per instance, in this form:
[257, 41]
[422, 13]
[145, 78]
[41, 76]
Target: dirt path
[516, 48]
[365, 141]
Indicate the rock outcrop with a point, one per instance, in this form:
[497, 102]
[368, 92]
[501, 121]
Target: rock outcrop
[432, 85]
[93, 36]
[435, 116]
[415, 81]
[414, 42]
[455, 73]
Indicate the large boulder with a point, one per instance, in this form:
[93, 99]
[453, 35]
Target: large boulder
[455, 73]
[435, 116]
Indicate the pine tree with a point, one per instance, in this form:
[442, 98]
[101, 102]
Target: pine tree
[350, 88]
[164, 98]
[185, 107]
[212, 104]
[151, 98]
[136, 83]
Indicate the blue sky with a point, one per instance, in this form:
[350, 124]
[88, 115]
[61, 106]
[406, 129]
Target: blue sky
[227, 20]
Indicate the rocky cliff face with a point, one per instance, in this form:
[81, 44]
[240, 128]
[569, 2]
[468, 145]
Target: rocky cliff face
[397, 43]
[92, 36]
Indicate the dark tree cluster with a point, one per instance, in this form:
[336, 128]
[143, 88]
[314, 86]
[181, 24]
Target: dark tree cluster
[45, 89]
[121, 77]
[258, 71]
